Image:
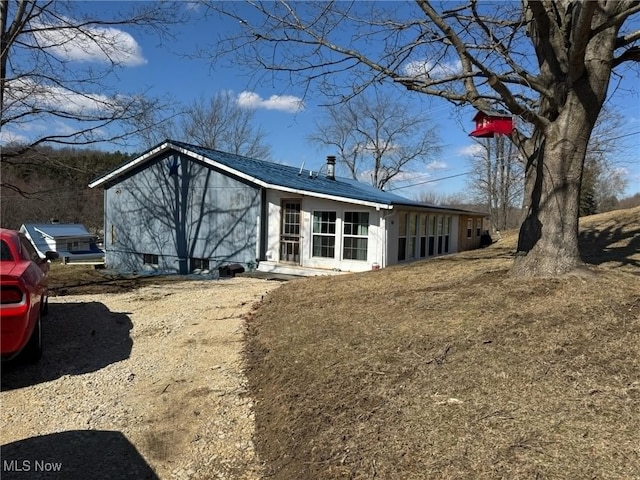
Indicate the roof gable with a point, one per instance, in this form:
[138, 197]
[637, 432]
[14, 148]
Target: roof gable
[269, 175]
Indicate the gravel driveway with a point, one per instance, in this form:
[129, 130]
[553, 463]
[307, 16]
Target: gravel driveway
[144, 384]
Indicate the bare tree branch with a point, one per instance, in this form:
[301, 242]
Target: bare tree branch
[378, 136]
[547, 62]
[45, 79]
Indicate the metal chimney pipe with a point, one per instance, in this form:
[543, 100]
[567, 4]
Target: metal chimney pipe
[331, 167]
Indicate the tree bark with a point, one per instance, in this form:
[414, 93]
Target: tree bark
[548, 239]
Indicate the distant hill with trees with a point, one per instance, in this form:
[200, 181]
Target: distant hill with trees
[44, 183]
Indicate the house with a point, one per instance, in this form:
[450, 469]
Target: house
[72, 241]
[182, 208]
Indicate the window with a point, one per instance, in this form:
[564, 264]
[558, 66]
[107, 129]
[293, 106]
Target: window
[72, 246]
[6, 252]
[149, 259]
[199, 264]
[291, 218]
[469, 227]
[356, 235]
[423, 235]
[478, 226]
[324, 234]
[413, 235]
[402, 237]
[439, 233]
[28, 250]
[447, 230]
[432, 233]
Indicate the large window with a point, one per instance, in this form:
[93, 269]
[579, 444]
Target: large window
[402, 236]
[432, 235]
[439, 233]
[413, 235]
[423, 235]
[324, 234]
[28, 250]
[355, 235]
[447, 231]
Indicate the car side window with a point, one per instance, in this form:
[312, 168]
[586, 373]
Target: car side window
[28, 251]
[5, 252]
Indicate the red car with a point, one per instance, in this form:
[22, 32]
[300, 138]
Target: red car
[23, 296]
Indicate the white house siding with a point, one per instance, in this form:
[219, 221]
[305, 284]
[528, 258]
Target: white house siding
[70, 244]
[309, 205]
[194, 215]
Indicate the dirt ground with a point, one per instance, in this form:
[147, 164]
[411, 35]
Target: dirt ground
[443, 369]
[452, 369]
[142, 384]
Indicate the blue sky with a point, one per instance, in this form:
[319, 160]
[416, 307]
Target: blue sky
[165, 70]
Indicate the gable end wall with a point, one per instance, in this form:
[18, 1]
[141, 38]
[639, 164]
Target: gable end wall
[178, 209]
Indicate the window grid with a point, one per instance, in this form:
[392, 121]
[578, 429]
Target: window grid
[149, 259]
[355, 235]
[324, 234]
[291, 224]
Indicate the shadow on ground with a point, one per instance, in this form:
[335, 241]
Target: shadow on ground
[74, 455]
[77, 338]
[618, 243]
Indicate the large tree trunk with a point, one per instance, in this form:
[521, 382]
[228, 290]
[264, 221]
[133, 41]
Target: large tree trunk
[548, 240]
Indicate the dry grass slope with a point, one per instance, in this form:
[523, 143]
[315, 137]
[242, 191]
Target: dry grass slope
[449, 369]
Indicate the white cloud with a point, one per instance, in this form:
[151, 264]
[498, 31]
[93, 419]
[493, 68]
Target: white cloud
[471, 150]
[91, 44]
[437, 165]
[27, 92]
[425, 68]
[284, 103]
[192, 6]
[7, 138]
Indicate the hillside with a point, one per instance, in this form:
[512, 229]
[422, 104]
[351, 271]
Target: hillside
[450, 369]
[46, 183]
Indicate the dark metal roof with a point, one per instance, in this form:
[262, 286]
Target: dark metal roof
[269, 174]
[57, 230]
[279, 175]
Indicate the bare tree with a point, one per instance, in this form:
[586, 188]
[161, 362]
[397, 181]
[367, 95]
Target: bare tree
[431, 198]
[549, 63]
[54, 63]
[218, 122]
[602, 180]
[450, 200]
[221, 124]
[497, 179]
[377, 135]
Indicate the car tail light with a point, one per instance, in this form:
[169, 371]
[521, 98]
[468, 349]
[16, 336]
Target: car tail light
[10, 294]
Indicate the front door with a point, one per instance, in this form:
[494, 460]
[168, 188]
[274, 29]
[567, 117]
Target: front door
[290, 232]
